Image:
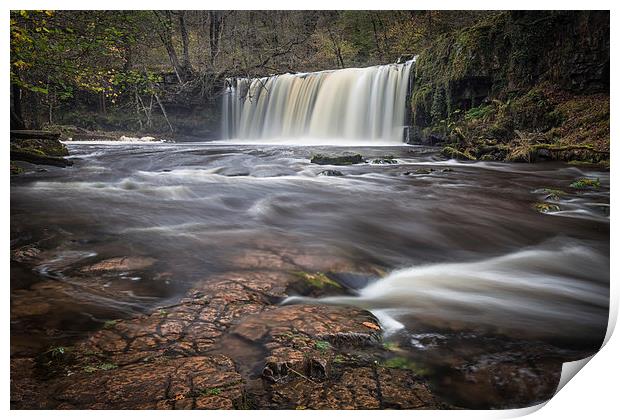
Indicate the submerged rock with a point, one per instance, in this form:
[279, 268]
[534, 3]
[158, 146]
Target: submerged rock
[331, 172]
[336, 160]
[121, 264]
[386, 160]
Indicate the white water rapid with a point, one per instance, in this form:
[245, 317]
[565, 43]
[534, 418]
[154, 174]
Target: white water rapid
[329, 107]
[545, 293]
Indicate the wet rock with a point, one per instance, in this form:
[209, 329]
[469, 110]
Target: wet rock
[121, 264]
[546, 207]
[510, 379]
[586, 184]
[336, 160]
[331, 172]
[387, 160]
[209, 382]
[358, 388]
[27, 253]
[302, 340]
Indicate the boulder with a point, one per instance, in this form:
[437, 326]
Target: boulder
[337, 160]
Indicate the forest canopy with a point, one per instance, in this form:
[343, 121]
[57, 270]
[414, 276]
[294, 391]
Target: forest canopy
[140, 60]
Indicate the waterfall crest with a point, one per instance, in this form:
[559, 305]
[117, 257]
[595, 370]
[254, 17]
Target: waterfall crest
[354, 104]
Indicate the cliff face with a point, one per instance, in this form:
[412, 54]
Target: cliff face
[535, 60]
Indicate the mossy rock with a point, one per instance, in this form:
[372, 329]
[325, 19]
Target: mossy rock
[546, 207]
[553, 194]
[452, 153]
[16, 169]
[586, 184]
[337, 160]
[39, 147]
[317, 280]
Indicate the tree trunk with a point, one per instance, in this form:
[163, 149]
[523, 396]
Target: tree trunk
[187, 65]
[17, 116]
[215, 33]
[165, 35]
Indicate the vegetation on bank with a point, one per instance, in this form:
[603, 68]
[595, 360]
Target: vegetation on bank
[517, 86]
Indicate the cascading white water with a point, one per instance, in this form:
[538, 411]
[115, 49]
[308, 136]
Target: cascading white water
[348, 105]
[543, 293]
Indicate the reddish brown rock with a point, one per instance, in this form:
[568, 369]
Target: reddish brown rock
[120, 264]
[162, 384]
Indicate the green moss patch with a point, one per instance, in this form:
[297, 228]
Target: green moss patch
[317, 280]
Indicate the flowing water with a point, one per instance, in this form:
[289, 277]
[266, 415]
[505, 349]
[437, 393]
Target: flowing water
[467, 258]
[330, 107]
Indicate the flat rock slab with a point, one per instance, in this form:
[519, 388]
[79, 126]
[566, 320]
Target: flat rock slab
[207, 382]
[34, 134]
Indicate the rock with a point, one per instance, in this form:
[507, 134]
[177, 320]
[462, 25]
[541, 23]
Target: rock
[331, 172]
[586, 183]
[208, 382]
[39, 151]
[27, 253]
[358, 388]
[337, 160]
[34, 134]
[121, 264]
[387, 160]
[546, 207]
[39, 159]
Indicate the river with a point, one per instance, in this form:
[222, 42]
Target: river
[463, 256]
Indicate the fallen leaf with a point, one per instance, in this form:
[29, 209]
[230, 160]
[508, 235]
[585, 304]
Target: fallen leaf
[179, 397]
[371, 325]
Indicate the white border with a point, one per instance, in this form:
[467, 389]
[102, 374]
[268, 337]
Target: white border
[592, 395]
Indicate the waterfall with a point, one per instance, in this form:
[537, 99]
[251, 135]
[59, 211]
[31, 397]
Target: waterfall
[334, 106]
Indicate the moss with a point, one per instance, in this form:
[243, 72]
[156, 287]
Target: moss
[481, 112]
[404, 363]
[317, 280]
[339, 359]
[391, 346]
[110, 323]
[322, 345]
[107, 366]
[39, 147]
[546, 207]
[211, 391]
[586, 183]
